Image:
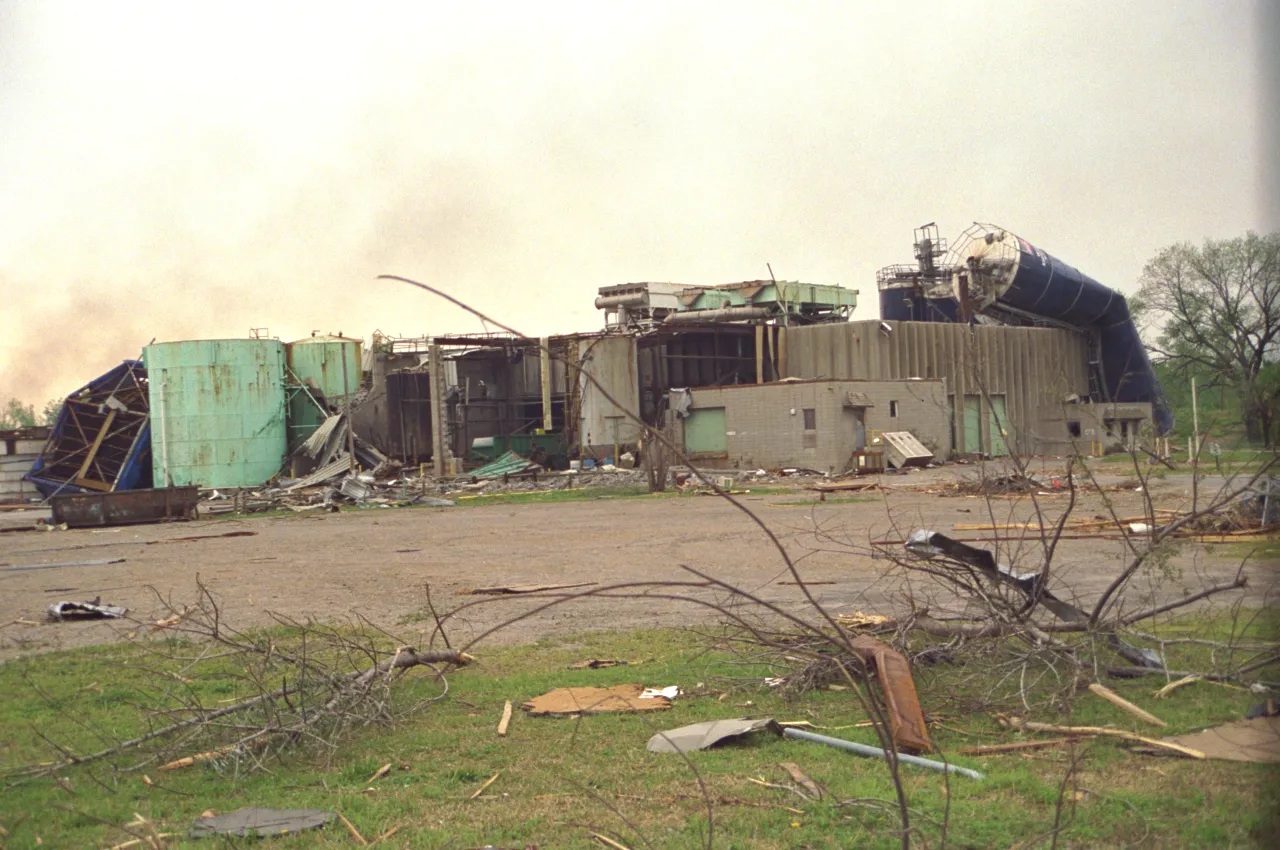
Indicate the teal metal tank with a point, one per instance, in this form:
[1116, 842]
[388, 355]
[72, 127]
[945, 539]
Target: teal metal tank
[217, 411]
[323, 370]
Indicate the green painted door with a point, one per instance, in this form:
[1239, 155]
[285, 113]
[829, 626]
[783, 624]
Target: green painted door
[704, 431]
[999, 426]
[972, 424]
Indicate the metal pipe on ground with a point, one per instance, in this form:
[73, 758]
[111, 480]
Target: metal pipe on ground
[876, 752]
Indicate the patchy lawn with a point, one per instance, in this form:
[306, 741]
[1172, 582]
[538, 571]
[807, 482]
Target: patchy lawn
[560, 780]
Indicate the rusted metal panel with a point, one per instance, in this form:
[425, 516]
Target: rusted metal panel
[125, 507]
[218, 409]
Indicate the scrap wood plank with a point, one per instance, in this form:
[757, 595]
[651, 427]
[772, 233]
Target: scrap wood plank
[1020, 746]
[508, 590]
[486, 784]
[802, 779]
[1117, 700]
[1032, 726]
[834, 486]
[505, 721]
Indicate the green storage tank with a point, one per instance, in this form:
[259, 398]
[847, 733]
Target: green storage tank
[217, 411]
[321, 368]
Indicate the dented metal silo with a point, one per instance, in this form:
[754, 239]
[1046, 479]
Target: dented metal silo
[324, 371]
[217, 410]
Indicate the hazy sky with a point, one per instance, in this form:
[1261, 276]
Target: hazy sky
[182, 170]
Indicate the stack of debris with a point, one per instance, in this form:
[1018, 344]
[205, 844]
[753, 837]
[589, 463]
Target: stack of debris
[328, 454]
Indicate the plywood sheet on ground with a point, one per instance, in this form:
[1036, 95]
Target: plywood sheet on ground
[595, 701]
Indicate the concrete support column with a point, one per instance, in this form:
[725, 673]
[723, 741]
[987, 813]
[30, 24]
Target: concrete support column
[759, 354]
[435, 380]
[544, 369]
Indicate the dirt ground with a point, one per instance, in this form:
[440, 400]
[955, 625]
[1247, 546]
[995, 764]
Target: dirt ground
[376, 562]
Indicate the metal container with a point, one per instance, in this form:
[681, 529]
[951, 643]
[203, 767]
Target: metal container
[218, 411]
[124, 507]
[323, 372]
[907, 304]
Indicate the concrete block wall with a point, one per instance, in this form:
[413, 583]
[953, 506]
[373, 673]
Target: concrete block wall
[765, 423]
[1091, 421]
[18, 452]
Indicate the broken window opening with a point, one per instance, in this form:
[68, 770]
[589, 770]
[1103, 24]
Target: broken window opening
[1073, 427]
[810, 419]
[893, 410]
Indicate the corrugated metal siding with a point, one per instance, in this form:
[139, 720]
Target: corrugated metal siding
[1033, 368]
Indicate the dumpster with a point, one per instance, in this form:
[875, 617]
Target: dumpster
[125, 507]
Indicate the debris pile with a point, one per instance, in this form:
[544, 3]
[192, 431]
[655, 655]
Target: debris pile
[1000, 485]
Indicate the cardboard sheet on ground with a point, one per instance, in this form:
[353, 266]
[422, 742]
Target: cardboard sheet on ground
[596, 700]
[1257, 740]
[702, 736]
[256, 821]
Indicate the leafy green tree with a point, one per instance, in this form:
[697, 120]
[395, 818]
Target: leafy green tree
[1216, 312]
[15, 414]
[52, 408]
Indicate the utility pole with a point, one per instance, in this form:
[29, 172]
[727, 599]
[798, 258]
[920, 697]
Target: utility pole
[1195, 419]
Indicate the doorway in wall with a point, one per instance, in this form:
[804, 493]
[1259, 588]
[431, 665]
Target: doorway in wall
[999, 426]
[973, 424]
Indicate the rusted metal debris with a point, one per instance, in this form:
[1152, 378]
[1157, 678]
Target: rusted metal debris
[906, 719]
[125, 507]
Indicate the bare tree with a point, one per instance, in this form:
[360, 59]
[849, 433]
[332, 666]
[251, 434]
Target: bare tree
[1217, 307]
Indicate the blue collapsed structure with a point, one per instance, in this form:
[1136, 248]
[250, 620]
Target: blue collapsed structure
[993, 275]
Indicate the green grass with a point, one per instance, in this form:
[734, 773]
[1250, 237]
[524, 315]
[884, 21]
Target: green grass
[1229, 462]
[558, 774]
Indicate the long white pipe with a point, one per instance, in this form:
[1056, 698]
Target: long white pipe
[720, 314]
[876, 752]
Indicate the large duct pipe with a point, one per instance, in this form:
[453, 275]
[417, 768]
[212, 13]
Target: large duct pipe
[635, 299]
[720, 314]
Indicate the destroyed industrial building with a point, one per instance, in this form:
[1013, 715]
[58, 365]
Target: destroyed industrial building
[990, 348]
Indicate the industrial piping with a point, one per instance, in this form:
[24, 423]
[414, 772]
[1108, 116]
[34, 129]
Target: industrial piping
[878, 753]
[721, 314]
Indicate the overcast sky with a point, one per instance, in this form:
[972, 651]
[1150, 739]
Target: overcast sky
[182, 170]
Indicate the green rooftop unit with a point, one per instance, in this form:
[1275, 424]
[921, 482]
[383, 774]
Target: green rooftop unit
[785, 300]
[217, 411]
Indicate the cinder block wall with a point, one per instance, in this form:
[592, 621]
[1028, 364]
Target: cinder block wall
[764, 423]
